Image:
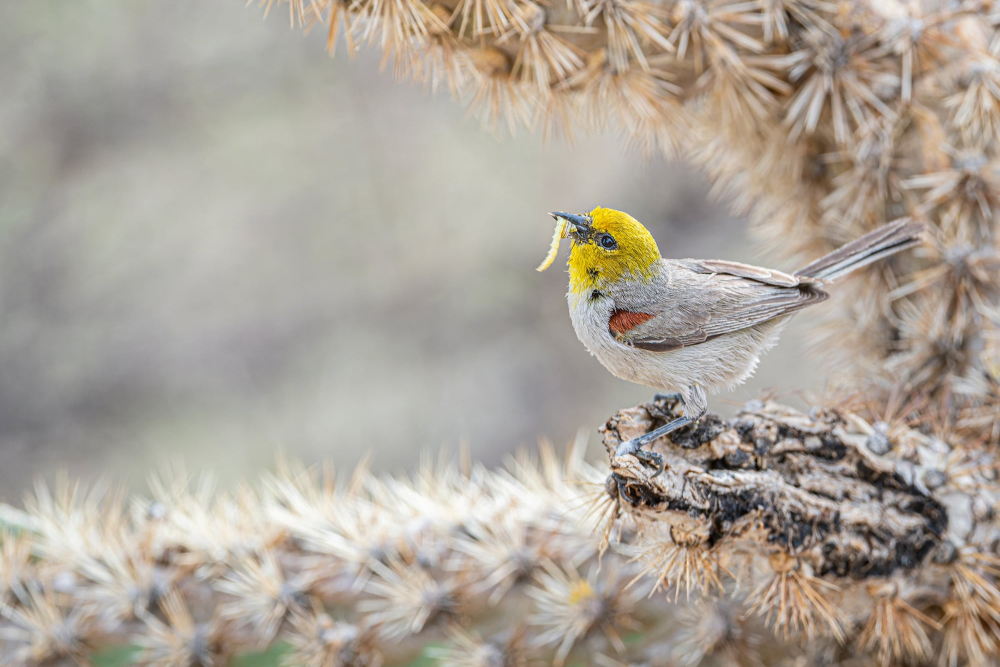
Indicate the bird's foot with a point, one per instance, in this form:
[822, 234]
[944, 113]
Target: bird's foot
[634, 448]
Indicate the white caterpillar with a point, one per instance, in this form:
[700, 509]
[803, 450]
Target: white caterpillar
[558, 235]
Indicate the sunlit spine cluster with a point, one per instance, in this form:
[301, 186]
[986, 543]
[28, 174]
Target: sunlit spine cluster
[484, 565]
[539, 563]
[817, 119]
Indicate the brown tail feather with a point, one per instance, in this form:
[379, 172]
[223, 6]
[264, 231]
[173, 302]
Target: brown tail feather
[884, 241]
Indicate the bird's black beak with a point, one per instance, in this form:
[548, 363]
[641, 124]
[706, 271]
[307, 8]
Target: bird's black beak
[582, 224]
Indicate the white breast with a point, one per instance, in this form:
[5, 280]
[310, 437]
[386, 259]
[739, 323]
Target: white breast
[716, 364]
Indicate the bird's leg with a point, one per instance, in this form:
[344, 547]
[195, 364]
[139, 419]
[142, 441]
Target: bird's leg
[695, 407]
[635, 445]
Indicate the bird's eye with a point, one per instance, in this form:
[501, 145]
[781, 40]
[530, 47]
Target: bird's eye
[608, 242]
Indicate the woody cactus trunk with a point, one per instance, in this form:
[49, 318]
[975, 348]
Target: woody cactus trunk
[861, 532]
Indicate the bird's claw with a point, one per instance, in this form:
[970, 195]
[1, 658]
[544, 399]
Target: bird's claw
[652, 458]
[645, 456]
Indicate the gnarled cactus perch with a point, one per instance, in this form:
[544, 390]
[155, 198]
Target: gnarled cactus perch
[770, 538]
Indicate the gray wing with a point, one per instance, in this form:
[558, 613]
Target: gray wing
[755, 273]
[707, 299]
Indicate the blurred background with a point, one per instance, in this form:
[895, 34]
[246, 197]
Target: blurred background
[216, 242]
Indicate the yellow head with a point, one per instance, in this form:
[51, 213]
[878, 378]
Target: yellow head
[608, 246]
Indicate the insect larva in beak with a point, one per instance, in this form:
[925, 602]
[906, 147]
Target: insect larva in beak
[558, 235]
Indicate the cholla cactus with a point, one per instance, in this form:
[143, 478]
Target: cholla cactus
[864, 532]
[361, 573]
[820, 119]
[775, 538]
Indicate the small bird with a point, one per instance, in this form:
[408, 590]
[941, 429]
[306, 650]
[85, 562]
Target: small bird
[686, 325]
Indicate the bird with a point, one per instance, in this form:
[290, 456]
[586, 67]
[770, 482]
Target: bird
[689, 327]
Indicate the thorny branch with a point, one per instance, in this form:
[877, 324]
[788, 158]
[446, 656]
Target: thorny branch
[841, 508]
[770, 538]
[812, 487]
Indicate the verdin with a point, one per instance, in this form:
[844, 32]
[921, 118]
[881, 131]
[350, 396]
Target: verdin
[687, 325]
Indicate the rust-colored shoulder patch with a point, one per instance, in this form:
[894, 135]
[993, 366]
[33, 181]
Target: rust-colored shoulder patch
[623, 320]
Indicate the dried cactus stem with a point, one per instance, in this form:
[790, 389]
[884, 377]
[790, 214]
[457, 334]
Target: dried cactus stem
[843, 526]
[816, 490]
